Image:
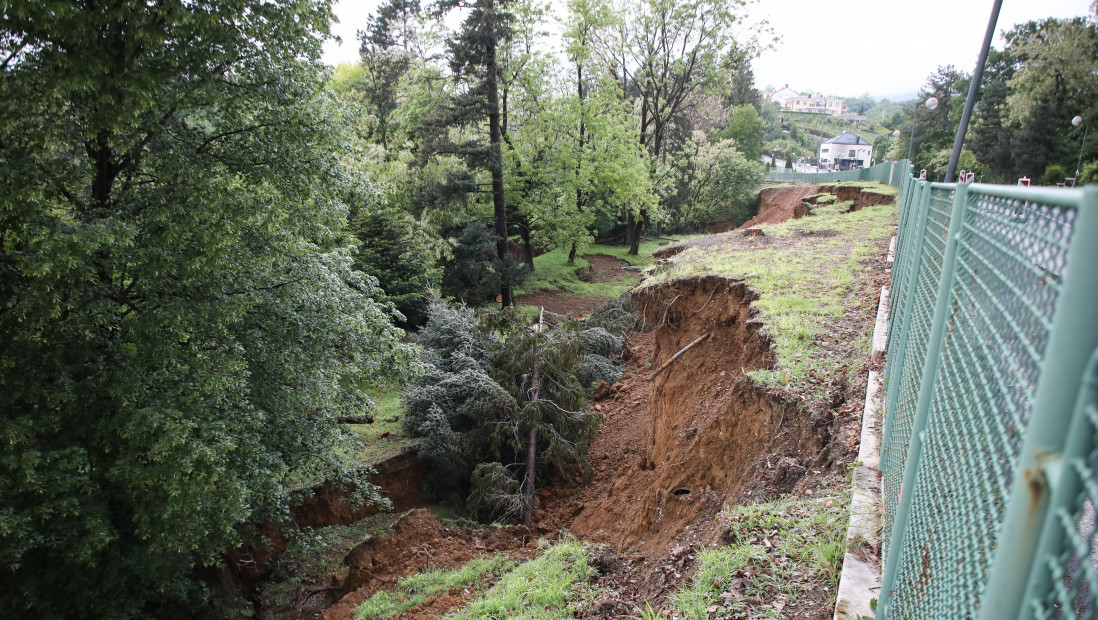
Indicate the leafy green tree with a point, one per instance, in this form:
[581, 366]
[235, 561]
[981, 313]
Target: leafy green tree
[741, 89]
[745, 127]
[182, 324]
[475, 61]
[386, 56]
[664, 53]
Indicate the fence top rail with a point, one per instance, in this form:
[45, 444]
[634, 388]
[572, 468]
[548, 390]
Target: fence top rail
[1061, 196]
[1058, 196]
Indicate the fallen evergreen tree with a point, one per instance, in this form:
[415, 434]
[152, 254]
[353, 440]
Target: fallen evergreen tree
[503, 407]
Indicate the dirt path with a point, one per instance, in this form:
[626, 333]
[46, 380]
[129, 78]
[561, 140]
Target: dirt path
[603, 269]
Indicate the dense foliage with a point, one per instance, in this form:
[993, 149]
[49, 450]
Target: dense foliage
[485, 124]
[495, 383]
[181, 321]
[1030, 92]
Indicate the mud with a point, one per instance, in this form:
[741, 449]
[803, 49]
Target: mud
[399, 480]
[860, 197]
[779, 204]
[416, 542]
[678, 446]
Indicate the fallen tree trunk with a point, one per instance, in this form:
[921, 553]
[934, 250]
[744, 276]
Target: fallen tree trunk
[681, 351]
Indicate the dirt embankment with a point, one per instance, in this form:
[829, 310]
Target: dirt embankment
[399, 479]
[416, 542]
[859, 196]
[679, 445]
[778, 204]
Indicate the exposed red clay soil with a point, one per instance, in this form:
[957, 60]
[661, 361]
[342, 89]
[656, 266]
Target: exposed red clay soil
[779, 204]
[399, 478]
[678, 446]
[417, 541]
[603, 268]
[861, 198]
[559, 302]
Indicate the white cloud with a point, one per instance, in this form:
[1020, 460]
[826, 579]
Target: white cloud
[844, 48]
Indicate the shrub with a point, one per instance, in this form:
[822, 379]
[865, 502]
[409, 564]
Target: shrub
[595, 368]
[617, 316]
[598, 341]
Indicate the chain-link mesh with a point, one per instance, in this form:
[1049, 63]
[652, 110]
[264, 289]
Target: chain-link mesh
[925, 278]
[889, 173]
[1074, 592]
[902, 264]
[1005, 283]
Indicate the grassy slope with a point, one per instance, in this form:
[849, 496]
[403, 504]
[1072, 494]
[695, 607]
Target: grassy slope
[801, 557]
[387, 419]
[803, 286]
[548, 587]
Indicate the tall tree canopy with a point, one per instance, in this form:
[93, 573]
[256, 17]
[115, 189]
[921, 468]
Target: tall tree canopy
[181, 321]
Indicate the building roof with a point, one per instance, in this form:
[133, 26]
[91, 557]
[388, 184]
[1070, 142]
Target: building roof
[847, 138]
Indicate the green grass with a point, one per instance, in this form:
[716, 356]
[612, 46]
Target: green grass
[389, 418]
[805, 274]
[549, 587]
[553, 273]
[872, 187]
[778, 552]
[413, 590]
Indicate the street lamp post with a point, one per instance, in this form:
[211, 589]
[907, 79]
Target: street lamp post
[930, 104]
[1078, 120]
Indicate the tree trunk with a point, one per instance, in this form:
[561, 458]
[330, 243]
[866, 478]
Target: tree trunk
[630, 231]
[527, 246]
[582, 143]
[532, 447]
[495, 135]
[531, 455]
[634, 245]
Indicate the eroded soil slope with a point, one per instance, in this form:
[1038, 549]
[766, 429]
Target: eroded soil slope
[678, 445]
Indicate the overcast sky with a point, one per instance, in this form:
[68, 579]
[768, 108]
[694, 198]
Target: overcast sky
[845, 47]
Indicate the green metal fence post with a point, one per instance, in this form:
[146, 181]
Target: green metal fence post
[1073, 336]
[926, 395]
[913, 243]
[1066, 487]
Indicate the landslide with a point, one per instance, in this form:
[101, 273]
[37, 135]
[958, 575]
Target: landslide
[679, 445]
[778, 204]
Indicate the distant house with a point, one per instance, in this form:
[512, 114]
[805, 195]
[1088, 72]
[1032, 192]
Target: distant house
[816, 103]
[845, 151]
[782, 95]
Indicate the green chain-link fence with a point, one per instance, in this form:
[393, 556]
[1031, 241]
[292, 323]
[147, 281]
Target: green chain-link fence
[989, 453]
[890, 172]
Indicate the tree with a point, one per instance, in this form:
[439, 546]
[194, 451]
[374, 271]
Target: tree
[182, 325]
[741, 89]
[393, 249]
[664, 53]
[386, 56]
[935, 129]
[500, 403]
[474, 58]
[720, 182]
[746, 129]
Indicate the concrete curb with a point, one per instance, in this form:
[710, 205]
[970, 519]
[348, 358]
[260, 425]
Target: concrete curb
[861, 578]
